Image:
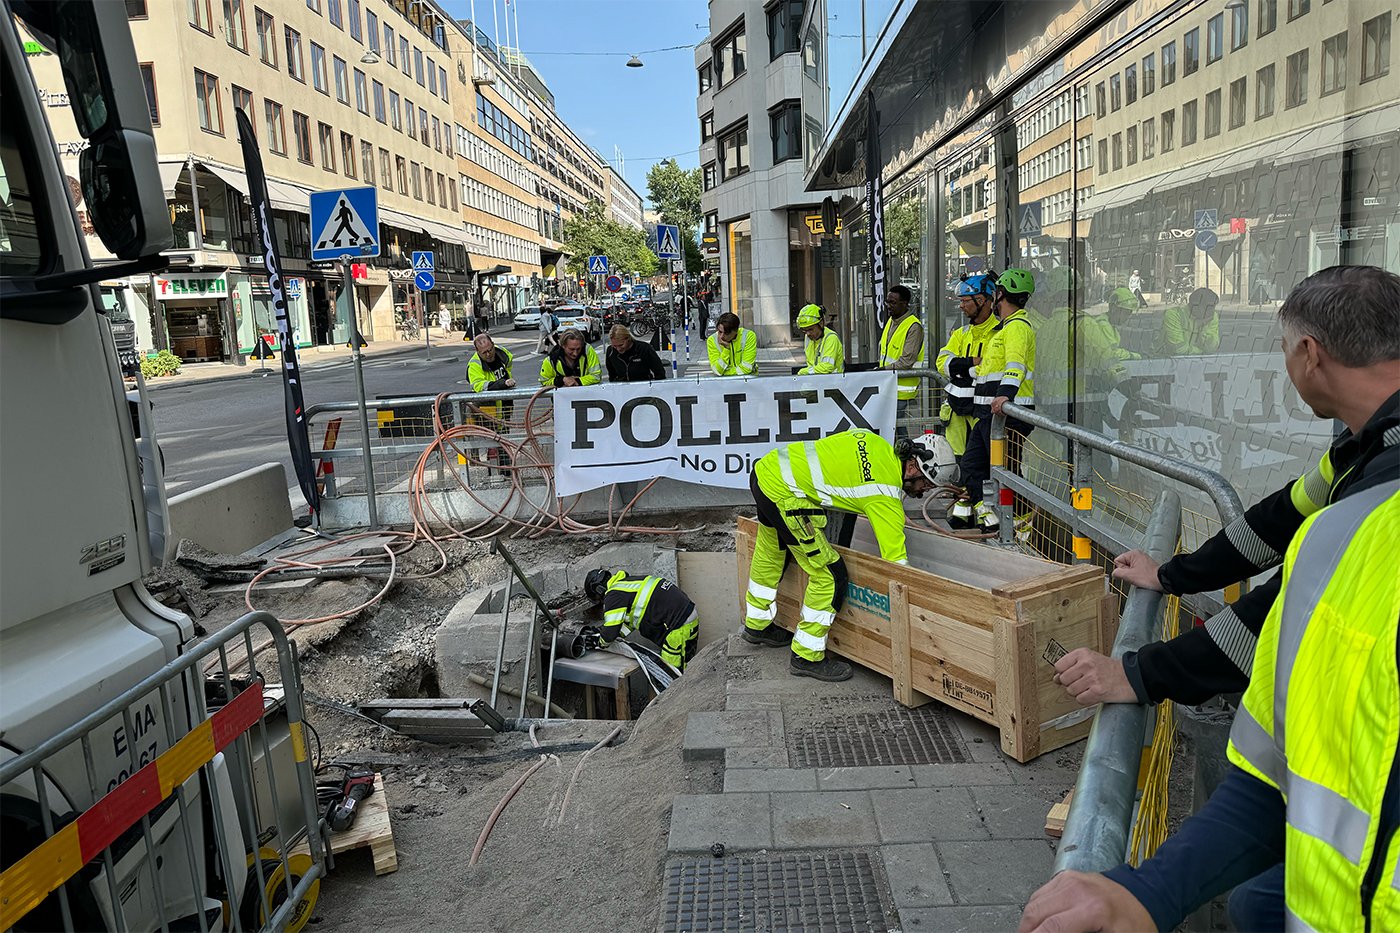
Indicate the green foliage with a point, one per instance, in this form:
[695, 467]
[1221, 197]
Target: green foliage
[694, 262]
[904, 227]
[591, 232]
[674, 193]
[163, 363]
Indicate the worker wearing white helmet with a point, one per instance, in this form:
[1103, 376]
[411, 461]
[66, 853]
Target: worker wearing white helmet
[821, 344]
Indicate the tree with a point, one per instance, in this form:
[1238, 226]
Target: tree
[674, 193]
[591, 232]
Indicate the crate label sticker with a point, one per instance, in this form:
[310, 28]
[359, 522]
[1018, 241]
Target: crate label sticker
[1053, 652]
[967, 693]
[871, 601]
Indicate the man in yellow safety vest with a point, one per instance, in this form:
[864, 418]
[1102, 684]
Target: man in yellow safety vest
[960, 356]
[902, 346]
[733, 350]
[820, 344]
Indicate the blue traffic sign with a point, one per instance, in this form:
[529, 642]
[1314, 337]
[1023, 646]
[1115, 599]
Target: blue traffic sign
[668, 242]
[613, 283]
[1207, 219]
[597, 265]
[424, 260]
[1030, 222]
[1206, 240]
[344, 223]
[424, 280]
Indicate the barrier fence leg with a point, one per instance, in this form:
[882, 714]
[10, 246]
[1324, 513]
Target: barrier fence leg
[1082, 498]
[995, 492]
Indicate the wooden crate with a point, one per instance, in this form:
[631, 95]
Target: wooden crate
[974, 627]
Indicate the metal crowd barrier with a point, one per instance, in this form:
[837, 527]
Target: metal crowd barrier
[132, 855]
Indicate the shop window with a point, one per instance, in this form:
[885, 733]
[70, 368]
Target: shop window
[1168, 130]
[734, 152]
[1239, 27]
[295, 66]
[1213, 113]
[235, 25]
[1334, 64]
[731, 55]
[1268, 17]
[301, 129]
[1191, 52]
[211, 111]
[1149, 74]
[706, 74]
[267, 41]
[1375, 47]
[785, 123]
[1264, 92]
[1168, 63]
[1296, 92]
[325, 139]
[148, 81]
[1188, 123]
[784, 27]
[1215, 38]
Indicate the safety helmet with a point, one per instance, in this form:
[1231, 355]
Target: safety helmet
[1017, 282]
[1122, 298]
[934, 455]
[596, 583]
[809, 316]
[975, 284]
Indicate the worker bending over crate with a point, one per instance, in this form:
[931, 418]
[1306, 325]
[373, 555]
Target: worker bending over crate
[653, 606]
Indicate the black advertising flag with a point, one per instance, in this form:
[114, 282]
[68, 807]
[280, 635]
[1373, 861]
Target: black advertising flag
[875, 203]
[297, 438]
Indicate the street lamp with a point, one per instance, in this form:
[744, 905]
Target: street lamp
[634, 62]
[371, 57]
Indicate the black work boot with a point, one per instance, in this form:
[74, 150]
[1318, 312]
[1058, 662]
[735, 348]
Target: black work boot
[828, 668]
[774, 635]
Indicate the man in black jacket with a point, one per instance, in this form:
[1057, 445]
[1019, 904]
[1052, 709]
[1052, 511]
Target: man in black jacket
[1341, 347]
[630, 361]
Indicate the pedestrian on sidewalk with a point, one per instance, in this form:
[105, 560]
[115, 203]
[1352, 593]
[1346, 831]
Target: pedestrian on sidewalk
[1135, 286]
[652, 606]
[547, 324]
[902, 346]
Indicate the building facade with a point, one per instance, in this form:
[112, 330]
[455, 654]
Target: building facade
[624, 204]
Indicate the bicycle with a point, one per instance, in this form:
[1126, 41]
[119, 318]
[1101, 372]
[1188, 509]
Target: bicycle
[408, 329]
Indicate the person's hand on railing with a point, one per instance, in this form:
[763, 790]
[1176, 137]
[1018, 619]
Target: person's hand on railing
[1075, 901]
[1093, 678]
[998, 402]
[1137, 568]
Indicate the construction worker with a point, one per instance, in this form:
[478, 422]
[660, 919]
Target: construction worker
[820, 343]
[489, 368]
[1315, 782]
[1005, 374]
[793, 486]
[572, 363]
[1341, 335]
[653, 606]
[733, 349]
[1195, 329]
[956, 361]
[902, 346]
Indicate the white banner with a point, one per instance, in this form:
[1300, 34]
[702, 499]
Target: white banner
[707, 431]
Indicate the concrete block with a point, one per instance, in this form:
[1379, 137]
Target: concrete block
[746, 701]
[865, 778]
[926, 813]
[749, 756]
[233, 514]
[808, 820]
[998, 871]
[740, 821]
[961, 774]
[707, 578]
[707, 735]
[959, 919]
[737, 647]
[1013, 811]
[915, 876]
[769, 779]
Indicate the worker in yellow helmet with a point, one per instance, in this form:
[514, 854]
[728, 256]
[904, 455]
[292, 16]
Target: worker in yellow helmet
[958, 360]
[820, 344]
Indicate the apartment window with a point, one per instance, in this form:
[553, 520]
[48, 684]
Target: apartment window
[379, 102]
[267, 43]
[1149, 138]
[1297, 8]
[211, 110]
[1132, 145]
[411, 114]
[710, 177]
[352, 12]
[135, 9]
[276, 128]
[1264, 92]
[1130, 83]
[314, 6]
[784, 27]
[1375, 47]
[1213, 113]
[1239, 27]
[443, 188]
[301, 129]
[1103, 157]
[431, 67]
[1238, 103]
[417, 181]
[1191, 52]
[200, 16]
[437, 134]
[390, 49]
[731, 56]
[347, 154]
[1296, 92]
[361, 92]
[706, 77]
[334, 14]
[295, 67]
[785, 123]
[395, 116]
[734, 152]
[428, 183]
[418, 67]
[1334, 64]
[386, 171]
[1117, 151]
[442, 82]
[236, 25]
[423, 126]
[1101, 100]
[1188, 123]
[1115, 92]
[1268, 17]
[342, 80]
[319, 78]
[405, 60]
[148, 80]
[325, 136]
[1168, 130]
[707, 126]
[712, 224]
[367, 162]
[372, 30]
[242, 100]
[401, 170]
[1168, 63]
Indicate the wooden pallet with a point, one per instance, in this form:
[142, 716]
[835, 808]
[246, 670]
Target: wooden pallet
[371, 829]
[1059, 813]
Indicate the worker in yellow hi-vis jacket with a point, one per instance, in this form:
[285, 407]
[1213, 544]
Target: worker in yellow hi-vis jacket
[651, 605]
[821, 345]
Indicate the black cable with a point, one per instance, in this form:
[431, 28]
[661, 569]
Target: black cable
[316, 761]
[515, 755]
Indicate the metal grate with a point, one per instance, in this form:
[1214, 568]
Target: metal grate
[832, 892]
[877, 737]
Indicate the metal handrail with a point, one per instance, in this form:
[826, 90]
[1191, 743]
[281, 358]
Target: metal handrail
[1100, 815]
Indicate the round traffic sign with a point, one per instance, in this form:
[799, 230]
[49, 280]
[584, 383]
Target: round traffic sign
[613, 283]
[425, 281]
[1206, 240]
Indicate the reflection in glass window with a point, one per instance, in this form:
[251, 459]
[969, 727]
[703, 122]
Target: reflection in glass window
[1168, 63]
[1375, 47]
[731, 56]
[1334, 64]
[1264, 92]
[734, 152]
[786, 129]
[1238, 104]
[1215, 38]
[1191, 51]
[1188, 123]
[1213, 113]
[1296, 92]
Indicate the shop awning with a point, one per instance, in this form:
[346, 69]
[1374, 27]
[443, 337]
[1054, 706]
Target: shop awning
[235, 178]
[286, 196]
[403, 221]
[170, 176]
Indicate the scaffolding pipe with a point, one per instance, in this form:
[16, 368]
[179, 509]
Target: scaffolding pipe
[1096, 830]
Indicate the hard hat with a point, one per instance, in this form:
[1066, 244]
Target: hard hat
[596, 583]
[934, 455]
[809, 315]
[1123, 298]
[975, 284]
[1017, 282]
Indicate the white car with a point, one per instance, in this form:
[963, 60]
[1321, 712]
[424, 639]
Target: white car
[527, 317]
[577, 317]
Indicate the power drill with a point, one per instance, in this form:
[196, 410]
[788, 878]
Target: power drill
[358, 785]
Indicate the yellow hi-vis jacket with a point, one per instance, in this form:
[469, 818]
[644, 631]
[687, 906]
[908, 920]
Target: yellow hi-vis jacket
[954, 361]
[1321, 716]
[892, 339]
[740, 358]
[824, 355]
[855, 471]
[1008, 365]
[554, 366]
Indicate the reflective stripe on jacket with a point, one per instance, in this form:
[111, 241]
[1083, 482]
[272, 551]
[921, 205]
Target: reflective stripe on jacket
[651, 605]
[482, 375]
[1008, 365]
[823, 356]
[740, 358]
[555, 367]
[955, 361]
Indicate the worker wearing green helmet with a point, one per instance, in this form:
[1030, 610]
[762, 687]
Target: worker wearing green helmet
[821, 344]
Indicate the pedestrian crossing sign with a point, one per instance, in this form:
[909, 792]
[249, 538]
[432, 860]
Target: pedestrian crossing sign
[423, 260]
[1030, 224]
[597, 265]
[668, 242]
[345, 223]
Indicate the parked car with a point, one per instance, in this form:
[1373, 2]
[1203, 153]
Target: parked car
[577, 317]
[526, 318]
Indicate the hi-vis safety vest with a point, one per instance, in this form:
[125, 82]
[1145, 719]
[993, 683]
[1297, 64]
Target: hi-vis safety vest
[1321, 716]
[740, 358]
[855, 471]
[892, 348]
[967, 341]
[1008, 361]
[824, 355]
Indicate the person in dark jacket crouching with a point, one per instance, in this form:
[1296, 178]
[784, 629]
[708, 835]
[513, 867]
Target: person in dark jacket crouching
[630, 361]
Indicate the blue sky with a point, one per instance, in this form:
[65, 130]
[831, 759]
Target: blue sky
[648, 112]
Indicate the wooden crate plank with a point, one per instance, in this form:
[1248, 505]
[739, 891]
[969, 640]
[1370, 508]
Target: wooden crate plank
[1015, 689]
[901, 651]
[372, 829]
[963, 643]
[1059, 813]
[1034, 586]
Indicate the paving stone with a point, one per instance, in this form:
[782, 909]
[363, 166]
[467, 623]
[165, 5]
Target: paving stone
[970, 774]
[740, 821]
[959, 919]
[769, 779]
[865, 778]
[761, 756]
[926, 813]
[1013, 811]
[999, 871]
[708, 734]
[737, 647]
[749, 702]
[915, 876]
[807, 820]
[777, 686]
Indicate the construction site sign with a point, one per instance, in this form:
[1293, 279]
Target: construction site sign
[708, 431]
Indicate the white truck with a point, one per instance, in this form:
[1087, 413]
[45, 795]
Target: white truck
[136, 791]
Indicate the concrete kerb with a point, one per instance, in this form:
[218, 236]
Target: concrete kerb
[229, 372]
